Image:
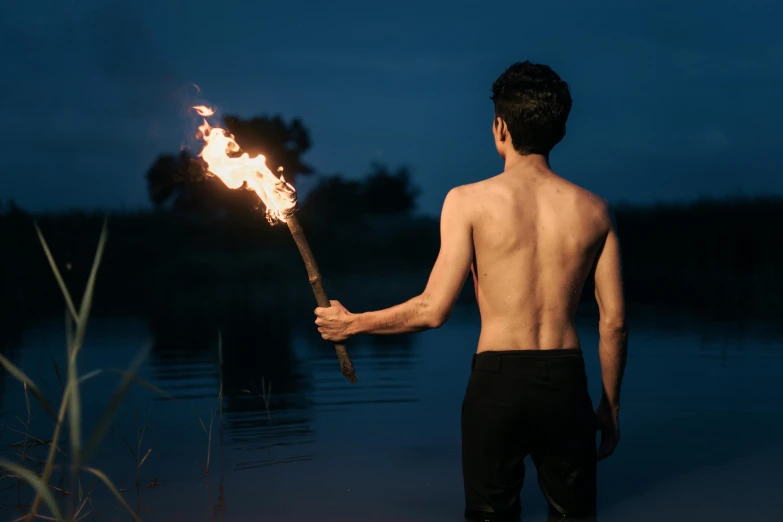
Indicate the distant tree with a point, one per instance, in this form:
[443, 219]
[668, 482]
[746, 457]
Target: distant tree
[164, 178]
[386, 192]
[177, 180]
[381, 192]
[182, 182]
[335, 197]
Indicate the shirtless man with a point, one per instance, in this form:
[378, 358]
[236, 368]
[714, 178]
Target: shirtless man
[531, 239]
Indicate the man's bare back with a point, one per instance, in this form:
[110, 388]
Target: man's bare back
[531, 240]
[536, 237]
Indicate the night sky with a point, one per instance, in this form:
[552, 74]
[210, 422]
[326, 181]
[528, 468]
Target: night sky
[672, 101]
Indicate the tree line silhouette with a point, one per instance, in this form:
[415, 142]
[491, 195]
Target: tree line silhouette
[205, 242]
[180, 181]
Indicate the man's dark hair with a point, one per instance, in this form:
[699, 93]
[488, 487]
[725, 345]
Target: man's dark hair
[535, 103]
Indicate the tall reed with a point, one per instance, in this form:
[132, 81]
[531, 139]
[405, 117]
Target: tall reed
[70, 404]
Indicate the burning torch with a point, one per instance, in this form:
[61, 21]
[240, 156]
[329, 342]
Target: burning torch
[278, 197]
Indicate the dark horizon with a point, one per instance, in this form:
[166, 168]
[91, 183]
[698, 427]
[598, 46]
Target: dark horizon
[666, 108]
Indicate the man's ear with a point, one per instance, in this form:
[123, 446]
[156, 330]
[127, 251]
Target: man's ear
[502, 129]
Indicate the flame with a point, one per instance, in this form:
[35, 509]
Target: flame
[203, 110]
[277, 195]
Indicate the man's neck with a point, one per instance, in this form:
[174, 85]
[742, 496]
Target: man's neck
[529, 162]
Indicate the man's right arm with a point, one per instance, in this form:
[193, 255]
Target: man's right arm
[613, 331]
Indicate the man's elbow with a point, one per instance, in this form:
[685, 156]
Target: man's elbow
[613, 325]
[436, 320]
[433, 316]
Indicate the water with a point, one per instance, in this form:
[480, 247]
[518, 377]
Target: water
[702, 413]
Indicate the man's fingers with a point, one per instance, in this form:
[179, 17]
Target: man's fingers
[334, 302]
[605, 454]
[606, 448]
[323, 313]
[602, 452]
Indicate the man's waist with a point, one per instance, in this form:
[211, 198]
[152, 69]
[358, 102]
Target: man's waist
[521, 360]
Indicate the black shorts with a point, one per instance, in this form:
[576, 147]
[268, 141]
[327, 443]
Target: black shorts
[528, 402]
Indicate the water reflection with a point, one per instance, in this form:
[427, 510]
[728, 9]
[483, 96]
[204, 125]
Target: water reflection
[698, 404]
[265, 397]
[276, 374]
[387, 370]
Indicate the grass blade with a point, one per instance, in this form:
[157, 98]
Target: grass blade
[145, 456]
[83, 501]
[74, 414]
[68, 343]
[36, 483]
[113, 489]
[199, 419]
[127, 445]
[27, 400]
[74, 411]
[142, 382]
[124, 373]
[20, 376]
[86, 304]
[209, 441]
[114, 404]
[55, 393]
[56, 271]
[57, 370]
[88, 376]
[49, 466]
[40, 442]
[143, 430]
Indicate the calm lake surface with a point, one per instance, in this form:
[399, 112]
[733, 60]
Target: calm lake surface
[701, 422]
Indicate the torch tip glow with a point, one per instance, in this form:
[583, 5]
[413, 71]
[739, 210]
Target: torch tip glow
[219, 153]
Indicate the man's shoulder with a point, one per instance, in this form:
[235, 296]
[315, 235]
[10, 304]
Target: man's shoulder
[589, 200]
[589, 206]
[599, 210]
[472, 192]
[599, 204]
[469, 200]
[464, 194]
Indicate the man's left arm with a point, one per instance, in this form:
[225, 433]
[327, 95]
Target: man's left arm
[433, 307]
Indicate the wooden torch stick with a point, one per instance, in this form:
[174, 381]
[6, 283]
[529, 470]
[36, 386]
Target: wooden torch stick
[346, 366]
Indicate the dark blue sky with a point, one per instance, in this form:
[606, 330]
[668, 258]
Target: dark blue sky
[673, 100]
